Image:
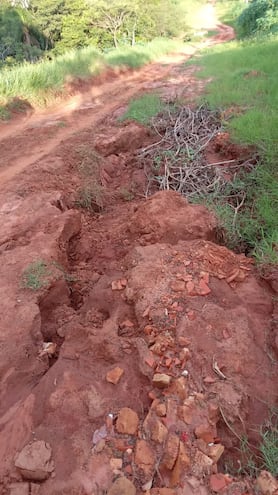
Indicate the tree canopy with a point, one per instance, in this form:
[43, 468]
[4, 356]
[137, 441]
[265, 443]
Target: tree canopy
[29, 28]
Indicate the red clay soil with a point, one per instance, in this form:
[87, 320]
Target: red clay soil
[145, 345]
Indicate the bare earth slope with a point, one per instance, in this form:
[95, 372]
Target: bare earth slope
[131, 345]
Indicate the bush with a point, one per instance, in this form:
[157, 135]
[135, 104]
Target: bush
[259, 16]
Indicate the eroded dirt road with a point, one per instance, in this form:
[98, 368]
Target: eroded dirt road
[131, 345]
[24, 142]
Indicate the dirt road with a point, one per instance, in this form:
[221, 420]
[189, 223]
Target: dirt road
[24, 142]
[132, 346]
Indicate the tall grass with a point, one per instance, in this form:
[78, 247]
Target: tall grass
[245, 76]
[42, 82]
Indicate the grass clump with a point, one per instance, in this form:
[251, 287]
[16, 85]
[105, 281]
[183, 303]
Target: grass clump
[38, 274]
[91, 195]
[4, 113]
[35, 275]
[143, 109]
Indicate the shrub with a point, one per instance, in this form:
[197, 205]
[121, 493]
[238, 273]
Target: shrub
[259, 16]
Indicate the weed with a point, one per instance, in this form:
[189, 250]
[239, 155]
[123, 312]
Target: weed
[35, 275]
[61, 123]
[143, 109]
[90, 161]
[269, 443]
[90, 197]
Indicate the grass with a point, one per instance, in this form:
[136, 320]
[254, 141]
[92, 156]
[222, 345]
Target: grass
[42, 83]
[252, 459]
[38, 274]
[35, 275]
[143, 109]
[244, 76]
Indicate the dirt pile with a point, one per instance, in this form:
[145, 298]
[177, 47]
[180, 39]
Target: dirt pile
[130, 387]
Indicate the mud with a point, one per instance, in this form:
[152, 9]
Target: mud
[137, 287]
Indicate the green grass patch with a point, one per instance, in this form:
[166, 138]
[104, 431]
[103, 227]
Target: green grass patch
[40, 273]
[143, 109]
[244, 76]
[35, 275]
[42, 83]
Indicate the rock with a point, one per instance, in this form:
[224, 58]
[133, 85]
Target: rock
[178, 286]
[161, 380]
[185, 414]
[181, 466]
[215, 452]
[201, 464]
[116, 463]
[19, 489]
[122, 486]
[160, 409]
[204, 289]
[194, 486]
[171, 451]
[34, 461]
[145, 458]
[185, 354]
[218, 482]
[154, 428]
[179, 387]
[205, 432]
[267, 483]
[114, 375]
[127, 421]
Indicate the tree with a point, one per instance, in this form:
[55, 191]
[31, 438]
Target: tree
[48, 15]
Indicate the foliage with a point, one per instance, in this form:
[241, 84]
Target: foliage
[19, 39]
[259, 16]
[28, 29]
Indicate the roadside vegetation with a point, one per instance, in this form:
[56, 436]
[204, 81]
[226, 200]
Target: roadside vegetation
[44, 82]
[45, 44]
[244, 85]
